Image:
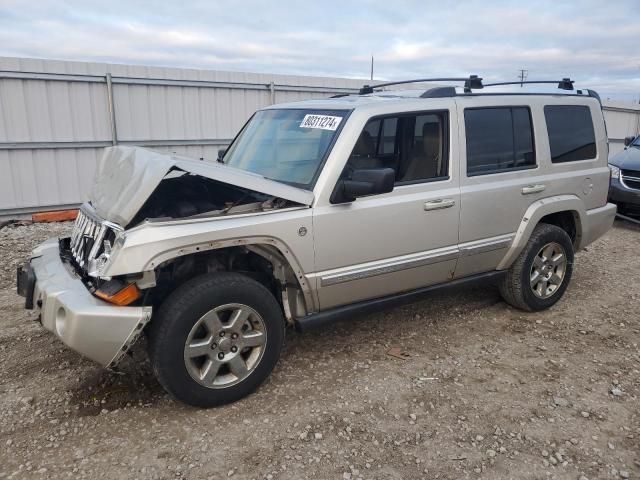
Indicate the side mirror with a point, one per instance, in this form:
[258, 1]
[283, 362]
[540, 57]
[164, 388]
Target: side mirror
[221, 153]
[362, 183]
[628, 141]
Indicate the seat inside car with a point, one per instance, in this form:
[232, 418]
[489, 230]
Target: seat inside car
[425, 160]
[363, 155]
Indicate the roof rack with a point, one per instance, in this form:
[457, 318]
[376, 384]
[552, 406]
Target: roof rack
[470, 82]
[564, 84]
[475, 82]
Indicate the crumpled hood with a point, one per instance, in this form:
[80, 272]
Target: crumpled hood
[126, 177]
[628, 159]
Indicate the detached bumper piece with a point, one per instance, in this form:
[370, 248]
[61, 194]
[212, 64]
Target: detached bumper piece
[26, 283]
[94, 328]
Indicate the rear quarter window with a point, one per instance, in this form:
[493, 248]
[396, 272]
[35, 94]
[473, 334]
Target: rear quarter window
[571, 134]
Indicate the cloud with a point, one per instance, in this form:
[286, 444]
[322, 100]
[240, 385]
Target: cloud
[591, 42]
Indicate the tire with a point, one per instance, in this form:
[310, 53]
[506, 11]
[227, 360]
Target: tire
[186, 342]
[518, 288]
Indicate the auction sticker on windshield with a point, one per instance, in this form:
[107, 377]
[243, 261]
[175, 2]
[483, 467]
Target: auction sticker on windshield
[324, 122]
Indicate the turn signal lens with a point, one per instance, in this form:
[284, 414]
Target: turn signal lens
[124, 296]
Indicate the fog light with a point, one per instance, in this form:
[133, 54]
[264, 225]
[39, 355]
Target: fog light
[61, 320]
[117, 292]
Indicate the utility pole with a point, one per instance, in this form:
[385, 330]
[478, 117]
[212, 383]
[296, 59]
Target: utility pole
[372, 67]
[523, 75]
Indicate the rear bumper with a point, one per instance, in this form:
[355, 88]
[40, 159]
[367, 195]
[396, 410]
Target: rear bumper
[94, 328]
[599, 221]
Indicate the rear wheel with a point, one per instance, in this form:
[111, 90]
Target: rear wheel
[216, 339]
[541, 273]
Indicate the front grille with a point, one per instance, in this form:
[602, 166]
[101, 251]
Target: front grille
[631, 178]
[88, 234]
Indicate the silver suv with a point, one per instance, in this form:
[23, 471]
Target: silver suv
[321, 210]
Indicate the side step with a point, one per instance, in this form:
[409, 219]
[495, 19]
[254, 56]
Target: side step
[327, 317]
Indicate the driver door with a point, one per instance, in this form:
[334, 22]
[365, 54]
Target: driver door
[398, 241]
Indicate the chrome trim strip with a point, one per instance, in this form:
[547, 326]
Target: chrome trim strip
[405, 262]
[486, 245]
[627, 177]
[89, 225]
[383, 267]
[90, 212]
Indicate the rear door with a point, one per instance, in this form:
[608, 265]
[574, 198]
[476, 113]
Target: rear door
[500, 177]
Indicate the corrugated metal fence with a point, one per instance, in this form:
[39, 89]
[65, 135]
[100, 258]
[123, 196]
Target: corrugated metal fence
[623, 120]
[56, 116]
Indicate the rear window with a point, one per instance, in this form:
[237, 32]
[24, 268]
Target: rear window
[571, 135]
[498, 140]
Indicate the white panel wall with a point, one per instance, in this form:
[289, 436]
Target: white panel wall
[623, 120]
[53, 128]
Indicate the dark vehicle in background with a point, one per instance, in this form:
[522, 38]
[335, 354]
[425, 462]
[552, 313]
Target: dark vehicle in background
[625, 177]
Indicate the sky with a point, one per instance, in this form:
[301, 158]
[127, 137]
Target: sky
[594, 42]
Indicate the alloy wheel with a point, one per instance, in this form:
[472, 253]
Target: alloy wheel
[225, 345]
[548, 270]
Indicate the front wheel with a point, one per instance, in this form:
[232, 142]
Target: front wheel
[541, 273]
[216, 339]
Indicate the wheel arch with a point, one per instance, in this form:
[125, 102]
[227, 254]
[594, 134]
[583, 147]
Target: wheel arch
[296, 292]
[564, 211]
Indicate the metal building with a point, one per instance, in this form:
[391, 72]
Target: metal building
[57, 116]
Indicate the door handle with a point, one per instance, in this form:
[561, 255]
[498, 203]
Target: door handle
[529, 189]
[439, 204]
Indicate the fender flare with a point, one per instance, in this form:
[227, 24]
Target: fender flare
[284, 254]
[536, 211]
[254, 241]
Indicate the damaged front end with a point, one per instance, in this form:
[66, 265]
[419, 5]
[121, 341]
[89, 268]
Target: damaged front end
[153, 221]
[135, 186]
[134, 183]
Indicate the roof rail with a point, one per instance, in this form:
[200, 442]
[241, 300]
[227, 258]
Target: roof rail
[470, 82]
[564, 84]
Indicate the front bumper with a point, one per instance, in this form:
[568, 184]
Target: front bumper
[627, 198]
[94, 328]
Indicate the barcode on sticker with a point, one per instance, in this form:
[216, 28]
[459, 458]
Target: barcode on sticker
[324, 122]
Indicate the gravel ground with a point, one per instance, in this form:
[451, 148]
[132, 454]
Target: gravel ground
[480, 391]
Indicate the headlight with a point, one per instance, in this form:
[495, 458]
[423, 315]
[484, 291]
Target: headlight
[97, 266]
[615, 172]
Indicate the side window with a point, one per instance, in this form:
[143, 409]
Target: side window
[427, 153]
[498, 140]
[415, 146]
[387, 145]
[363, 154]
[571, 135]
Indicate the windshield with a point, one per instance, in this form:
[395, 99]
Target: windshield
[636, 142]
[286, 145]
